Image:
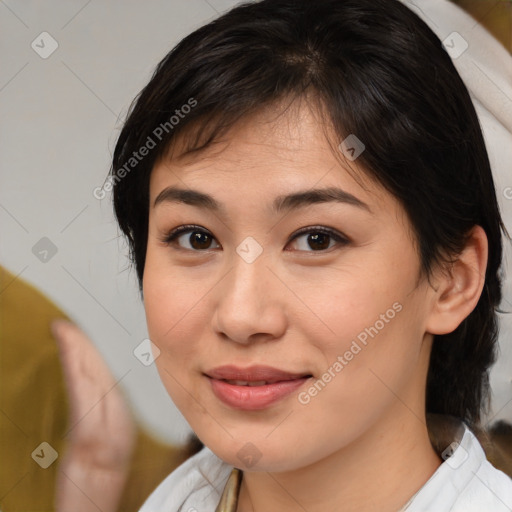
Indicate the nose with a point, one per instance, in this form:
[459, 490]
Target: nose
[249, 305]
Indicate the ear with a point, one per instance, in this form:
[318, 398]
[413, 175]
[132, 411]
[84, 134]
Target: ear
[458, 288]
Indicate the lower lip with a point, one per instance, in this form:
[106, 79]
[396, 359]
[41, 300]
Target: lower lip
[252, 398]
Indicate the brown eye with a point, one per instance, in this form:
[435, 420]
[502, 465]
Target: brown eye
[200, 240]
[318, 240]
[192, 238]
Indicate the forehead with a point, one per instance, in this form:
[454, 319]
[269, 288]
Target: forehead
[280, 129]
[271, 153]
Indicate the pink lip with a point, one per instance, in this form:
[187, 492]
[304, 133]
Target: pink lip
[250, 398]
[252, 373]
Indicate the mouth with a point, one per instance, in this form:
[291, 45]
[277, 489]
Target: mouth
[255, 383]
[251, 383]
[254, 388]
[257, 375]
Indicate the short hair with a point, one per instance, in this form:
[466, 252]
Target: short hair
[378, 72]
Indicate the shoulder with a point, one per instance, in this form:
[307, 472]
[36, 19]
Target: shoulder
[488, 488]
[465, 482]
[199, 479]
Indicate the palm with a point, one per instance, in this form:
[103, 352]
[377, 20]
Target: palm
[101, 430]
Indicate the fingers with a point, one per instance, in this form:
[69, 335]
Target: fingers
[87, 376]
[101, 427]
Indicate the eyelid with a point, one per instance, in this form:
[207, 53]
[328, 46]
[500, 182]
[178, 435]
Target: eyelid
[340, 238]
[172, 235]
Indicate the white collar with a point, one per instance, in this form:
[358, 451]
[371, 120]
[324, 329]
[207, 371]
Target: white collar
[465, 482]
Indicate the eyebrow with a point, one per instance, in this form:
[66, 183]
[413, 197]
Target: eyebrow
[281, 203]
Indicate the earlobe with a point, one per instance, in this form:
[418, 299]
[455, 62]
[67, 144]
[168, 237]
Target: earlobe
[459, 287]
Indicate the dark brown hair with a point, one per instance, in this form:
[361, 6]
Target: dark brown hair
[378, 72]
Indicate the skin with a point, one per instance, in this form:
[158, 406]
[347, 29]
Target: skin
[101, 433]
[298, 308]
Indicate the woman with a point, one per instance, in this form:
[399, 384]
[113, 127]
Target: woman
[312, 216]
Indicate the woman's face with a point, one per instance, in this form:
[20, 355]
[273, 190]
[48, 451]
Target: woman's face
[338, 307]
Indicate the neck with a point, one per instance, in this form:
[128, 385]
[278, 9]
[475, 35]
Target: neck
[380, 471]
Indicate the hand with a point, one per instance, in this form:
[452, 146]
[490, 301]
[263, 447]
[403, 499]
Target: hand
[101, 431]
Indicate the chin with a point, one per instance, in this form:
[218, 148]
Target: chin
[254, 456]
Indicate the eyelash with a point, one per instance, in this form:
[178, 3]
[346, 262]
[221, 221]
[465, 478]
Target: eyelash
[176, 232]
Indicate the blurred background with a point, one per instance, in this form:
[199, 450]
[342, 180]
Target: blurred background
[495, 16]
[68, 73]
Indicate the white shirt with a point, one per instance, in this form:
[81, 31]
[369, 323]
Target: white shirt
[465, 482]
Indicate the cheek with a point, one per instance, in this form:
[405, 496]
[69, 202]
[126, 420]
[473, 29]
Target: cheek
[172, 305]
[354, 302]
[370, 327]
[361, 379]
[171, 315]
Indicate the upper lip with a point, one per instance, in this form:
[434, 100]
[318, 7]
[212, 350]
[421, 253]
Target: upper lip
[253, 373]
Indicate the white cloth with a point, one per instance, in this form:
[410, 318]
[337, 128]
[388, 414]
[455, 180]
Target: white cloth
[465, 482]
[483, 63]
